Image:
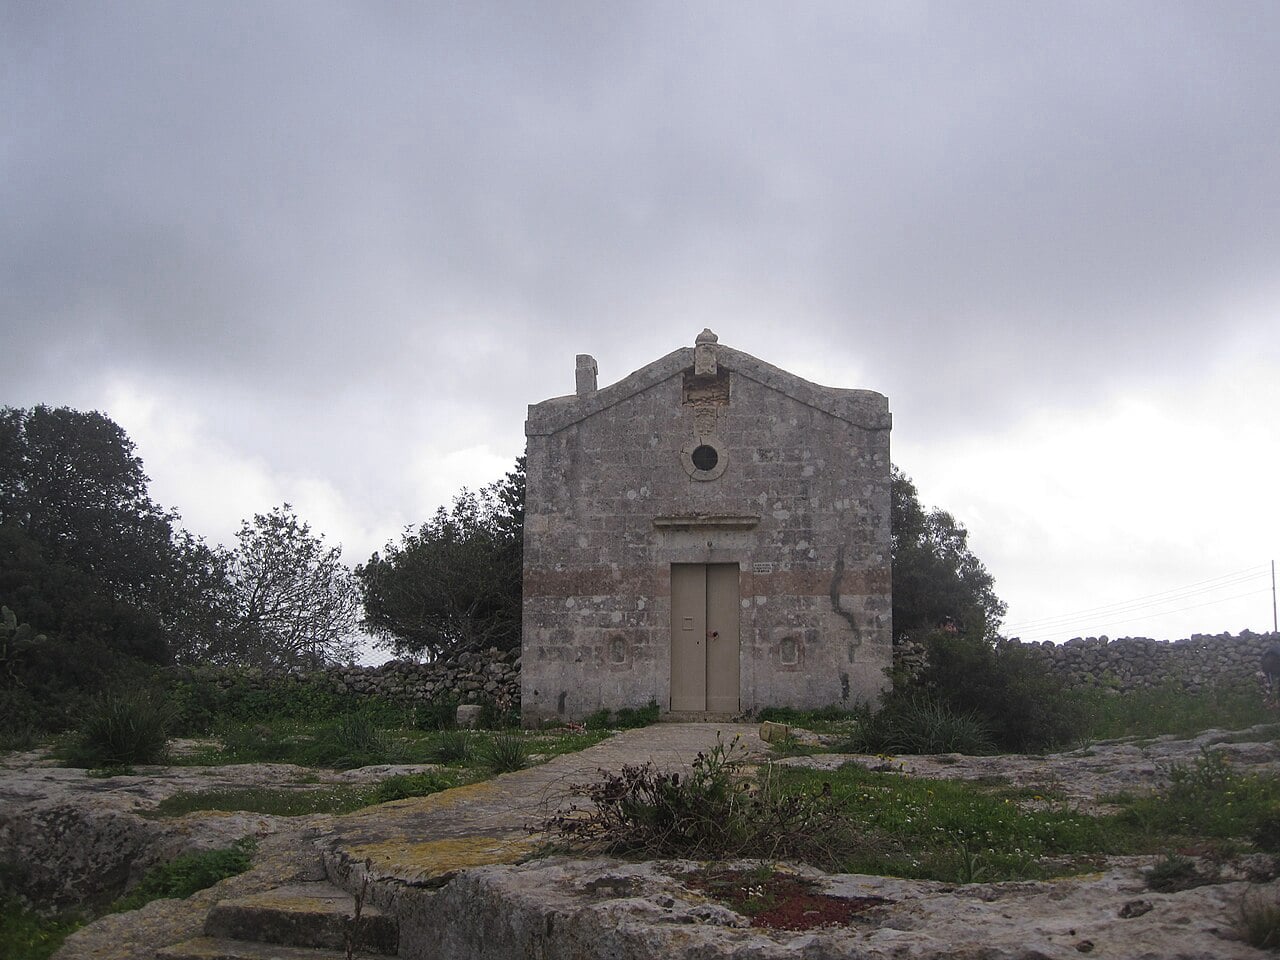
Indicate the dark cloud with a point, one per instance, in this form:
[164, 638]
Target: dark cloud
[303, 203]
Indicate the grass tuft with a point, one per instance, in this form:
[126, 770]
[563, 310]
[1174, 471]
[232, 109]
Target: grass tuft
[506, 753]
[121, 728]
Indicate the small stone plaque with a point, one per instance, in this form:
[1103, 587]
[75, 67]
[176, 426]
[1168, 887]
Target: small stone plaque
[762, 568]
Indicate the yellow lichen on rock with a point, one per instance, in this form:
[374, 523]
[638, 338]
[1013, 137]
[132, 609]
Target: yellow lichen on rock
[440, 859]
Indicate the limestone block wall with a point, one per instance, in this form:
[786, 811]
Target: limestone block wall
[799, 502]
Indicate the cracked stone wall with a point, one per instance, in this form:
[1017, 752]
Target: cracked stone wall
[620, 487]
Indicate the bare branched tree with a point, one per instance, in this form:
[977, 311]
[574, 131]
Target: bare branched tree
[295, 602]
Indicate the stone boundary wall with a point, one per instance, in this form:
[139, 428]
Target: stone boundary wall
[1198, 663]
[488, 676]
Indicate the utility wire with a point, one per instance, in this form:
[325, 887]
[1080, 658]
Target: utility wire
[1041, 631]
[1152, 599]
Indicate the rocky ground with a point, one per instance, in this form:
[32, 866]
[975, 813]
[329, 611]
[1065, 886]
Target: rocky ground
[82, 835]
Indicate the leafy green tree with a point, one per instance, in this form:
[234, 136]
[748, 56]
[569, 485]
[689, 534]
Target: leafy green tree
[72, 482]
[454, 584]
[293, 602]
[935, 574]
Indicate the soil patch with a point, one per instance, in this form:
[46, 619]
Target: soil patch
[778, 900]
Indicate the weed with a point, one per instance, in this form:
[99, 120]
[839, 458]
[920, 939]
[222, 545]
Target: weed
[23, 736]
[507, 752]
[453, 746]
[121, 728]
[1260, 921]
[183, 876]
[599, 720]
[1173, 873]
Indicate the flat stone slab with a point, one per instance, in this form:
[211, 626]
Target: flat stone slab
[304, 915]
[213, 948]
[582, 910]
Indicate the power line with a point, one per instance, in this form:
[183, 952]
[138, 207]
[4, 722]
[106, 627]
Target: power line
[1171, 595]
[1041, 631]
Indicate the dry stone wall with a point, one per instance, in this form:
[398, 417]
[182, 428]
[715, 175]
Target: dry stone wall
[1197, 663]
[489, 676]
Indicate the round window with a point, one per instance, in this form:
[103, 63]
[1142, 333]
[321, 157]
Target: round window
[704, 457]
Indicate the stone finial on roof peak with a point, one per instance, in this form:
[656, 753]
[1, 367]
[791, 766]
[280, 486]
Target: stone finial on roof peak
[704, 359]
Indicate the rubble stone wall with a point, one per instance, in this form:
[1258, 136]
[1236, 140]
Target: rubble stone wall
[489, 676]
[1197, 663]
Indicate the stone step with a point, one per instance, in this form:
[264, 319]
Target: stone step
[313, 915]
[214, 948]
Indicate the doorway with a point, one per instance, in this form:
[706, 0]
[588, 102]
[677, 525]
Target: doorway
[704, 637]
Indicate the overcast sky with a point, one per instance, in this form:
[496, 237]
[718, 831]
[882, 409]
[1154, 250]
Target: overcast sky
[328, 252]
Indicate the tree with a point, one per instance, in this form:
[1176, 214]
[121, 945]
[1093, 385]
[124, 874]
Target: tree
[293, 602]
[454, 584]
[935, 575]
[73, 484]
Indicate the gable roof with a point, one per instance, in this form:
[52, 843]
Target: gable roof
[862, 408]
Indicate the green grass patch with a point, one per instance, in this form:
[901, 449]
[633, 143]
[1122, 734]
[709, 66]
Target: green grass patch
[960, 832]
[1208, 798]
[285, 802]
[327, 745]
[28, 935]
[184, 875]
[1170, 710]
[625, 718]
[825, 720]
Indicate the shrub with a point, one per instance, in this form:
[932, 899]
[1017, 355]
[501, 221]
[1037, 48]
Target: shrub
[916, 723]
[438, 714]
[1024, 708]
[713, 812]
[507, 752]
[601, 719]
[494, 717]
[122, 728]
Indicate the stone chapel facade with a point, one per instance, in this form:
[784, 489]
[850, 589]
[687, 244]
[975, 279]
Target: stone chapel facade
[711, 533]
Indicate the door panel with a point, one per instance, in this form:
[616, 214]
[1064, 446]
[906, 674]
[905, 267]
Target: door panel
[688, 636]
[722, 634]
[704, 637]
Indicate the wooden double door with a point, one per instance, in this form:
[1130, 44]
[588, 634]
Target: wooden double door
[704, 637]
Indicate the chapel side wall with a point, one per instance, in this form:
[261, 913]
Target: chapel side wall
[597, 576]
